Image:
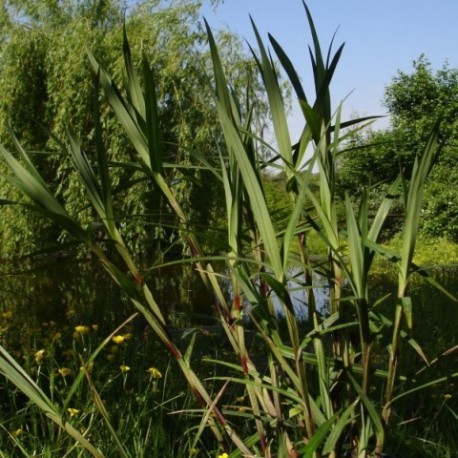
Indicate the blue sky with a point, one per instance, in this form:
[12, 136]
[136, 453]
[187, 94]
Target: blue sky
[380, 38]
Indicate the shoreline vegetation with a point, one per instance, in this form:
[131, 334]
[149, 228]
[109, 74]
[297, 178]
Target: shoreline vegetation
[355, 378]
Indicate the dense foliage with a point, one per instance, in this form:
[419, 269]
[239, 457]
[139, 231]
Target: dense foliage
[337, 379]
[47, 90]
[416, 101]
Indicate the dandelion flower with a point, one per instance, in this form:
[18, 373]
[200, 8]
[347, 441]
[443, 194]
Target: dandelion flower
[223, 455]
[56, 336]
[72, 412]
[118, 339]
[155, 373]
[82, 329]
[124, 368]
[88, 368]
[39, 356]
[64, 371]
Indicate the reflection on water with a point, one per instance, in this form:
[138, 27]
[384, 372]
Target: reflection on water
[298, 294]
[71, 293]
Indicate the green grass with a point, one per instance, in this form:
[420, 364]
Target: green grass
[144, 396]
[341, 385]
[436, 255]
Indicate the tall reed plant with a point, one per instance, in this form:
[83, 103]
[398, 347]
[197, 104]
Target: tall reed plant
[321, 390]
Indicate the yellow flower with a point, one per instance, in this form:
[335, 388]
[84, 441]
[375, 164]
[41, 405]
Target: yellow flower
[72, 412]
[7, 315]
[88, 368]
[155, 373]
[64, 371]
[56, 336]
[124, 368]
[223, 455]
[118, 339]
[39, 356]
[82, 329]
[17, 433]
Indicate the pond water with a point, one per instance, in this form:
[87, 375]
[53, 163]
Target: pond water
[67, 293]
[42, 307]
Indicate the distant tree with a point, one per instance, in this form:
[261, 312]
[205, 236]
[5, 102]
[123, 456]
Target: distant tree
[416, 102]
[47, 89]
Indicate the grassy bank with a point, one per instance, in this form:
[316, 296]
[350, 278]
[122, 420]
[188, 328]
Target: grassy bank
[342, 382]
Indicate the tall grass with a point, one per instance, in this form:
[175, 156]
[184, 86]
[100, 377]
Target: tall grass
[315, 392]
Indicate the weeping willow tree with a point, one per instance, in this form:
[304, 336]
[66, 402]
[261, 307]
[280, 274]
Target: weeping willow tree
[48, 89]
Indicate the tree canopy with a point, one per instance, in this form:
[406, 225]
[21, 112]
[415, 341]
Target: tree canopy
[48, 90]
[416, 101]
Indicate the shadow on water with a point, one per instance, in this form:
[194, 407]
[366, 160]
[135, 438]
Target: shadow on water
[42, 304]
[79, 292]
[70, 292]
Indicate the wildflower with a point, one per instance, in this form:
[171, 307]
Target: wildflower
[82, 329]
[88, 368]
[17, 433]
[7, 315]
[72, 412]
[118, 339]
[124, 368]
[223, 455]
[155, 373]
[64, 371]
[39, 356]
[56, 336]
